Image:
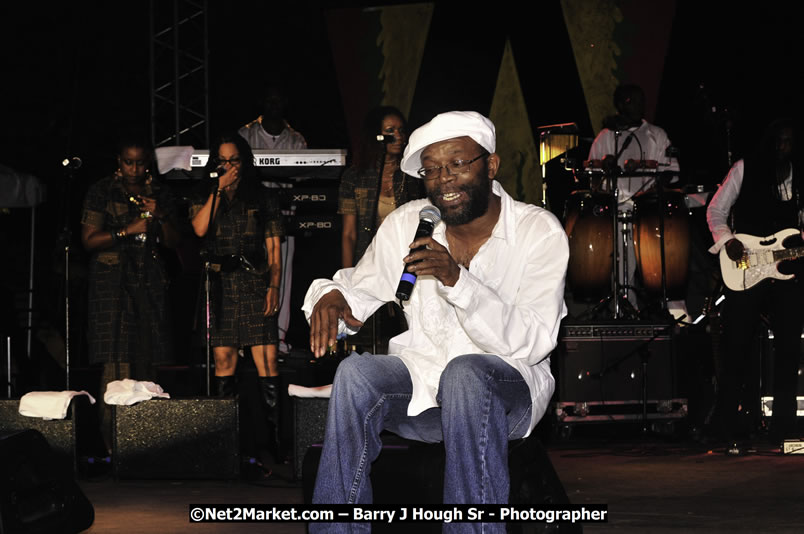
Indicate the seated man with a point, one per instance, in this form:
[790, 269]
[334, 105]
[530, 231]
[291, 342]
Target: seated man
[473, 369]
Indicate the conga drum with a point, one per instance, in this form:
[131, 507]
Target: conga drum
[589, 229]
[647, 245]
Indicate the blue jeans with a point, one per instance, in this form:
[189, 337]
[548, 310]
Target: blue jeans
[483, 403]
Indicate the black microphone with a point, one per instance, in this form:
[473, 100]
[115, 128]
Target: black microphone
[625, 144]
[217, 173]
[72, 163]
[429, 217]
[387, 139]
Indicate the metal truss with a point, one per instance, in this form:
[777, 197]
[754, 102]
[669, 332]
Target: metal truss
[179, 79]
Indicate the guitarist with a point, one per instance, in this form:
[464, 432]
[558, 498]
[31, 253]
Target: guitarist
[764, 193]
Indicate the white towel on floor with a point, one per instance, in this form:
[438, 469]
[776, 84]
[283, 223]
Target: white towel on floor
[49, 404]
[127, 392]
[320, 392]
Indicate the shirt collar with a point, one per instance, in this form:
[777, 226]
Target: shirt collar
[284, 122]
[639, 127]
[504, 229]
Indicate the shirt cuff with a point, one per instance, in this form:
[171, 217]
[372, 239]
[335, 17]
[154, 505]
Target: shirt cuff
[460, 295]
[720, 243]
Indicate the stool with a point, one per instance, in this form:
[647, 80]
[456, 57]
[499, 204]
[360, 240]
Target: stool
[411, 472]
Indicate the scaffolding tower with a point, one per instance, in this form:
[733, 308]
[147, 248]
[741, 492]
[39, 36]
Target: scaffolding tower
[179, 73]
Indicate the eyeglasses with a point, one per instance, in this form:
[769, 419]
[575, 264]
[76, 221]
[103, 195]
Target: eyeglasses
[456, 167]
[391, 130]
[233, 160]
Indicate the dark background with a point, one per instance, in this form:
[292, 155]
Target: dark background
[77, 73]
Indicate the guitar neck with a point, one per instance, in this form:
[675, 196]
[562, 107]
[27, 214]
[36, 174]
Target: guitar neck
[788, 253]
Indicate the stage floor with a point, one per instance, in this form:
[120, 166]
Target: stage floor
[649, 485]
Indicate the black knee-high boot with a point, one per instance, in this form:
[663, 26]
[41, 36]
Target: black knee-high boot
[225, 386]
[270, 387]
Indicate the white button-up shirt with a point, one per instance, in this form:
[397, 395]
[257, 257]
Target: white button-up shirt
[257, 138]
[649, 143]
[509, 302]
[717, 214]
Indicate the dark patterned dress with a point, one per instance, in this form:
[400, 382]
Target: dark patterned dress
[128, 314]
[239, 266]
[359, 195]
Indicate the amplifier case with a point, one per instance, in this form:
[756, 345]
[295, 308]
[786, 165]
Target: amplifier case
[767, 354]
[604, 368]
[195, 438]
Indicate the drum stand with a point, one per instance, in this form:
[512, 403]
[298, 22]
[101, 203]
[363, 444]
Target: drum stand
[620, 308]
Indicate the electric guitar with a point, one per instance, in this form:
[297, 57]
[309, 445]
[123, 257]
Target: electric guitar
[759, 261]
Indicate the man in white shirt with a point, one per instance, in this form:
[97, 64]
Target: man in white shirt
[630, 144]
[473, 369]
[764, 193]
[271, 131]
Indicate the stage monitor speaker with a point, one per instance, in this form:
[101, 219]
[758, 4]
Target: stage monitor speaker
[309, 423]
[36, 496]
[193, 438]
[63, 435]
[606, 362]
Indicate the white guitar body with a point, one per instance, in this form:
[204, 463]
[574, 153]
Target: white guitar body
[760, 260]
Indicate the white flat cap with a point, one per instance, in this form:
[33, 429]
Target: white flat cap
[448, 126]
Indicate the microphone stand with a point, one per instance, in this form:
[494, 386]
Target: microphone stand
[376, 207]
[207, 292]
[618, 152]
[644, 352]
[612, 176]
[615, 256]
[66, 240]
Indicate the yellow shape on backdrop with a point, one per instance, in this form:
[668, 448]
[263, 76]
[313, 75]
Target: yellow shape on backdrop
[520, 173]
[591, 28]
[402, 38]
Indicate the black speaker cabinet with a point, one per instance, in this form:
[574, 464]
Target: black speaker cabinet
[767, 354]
[61, 434]
[609, 362]
[605, 370]
[309, 422]
[36, 496]
[193, 438]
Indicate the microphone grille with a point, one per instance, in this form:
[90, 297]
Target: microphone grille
[430, 213]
